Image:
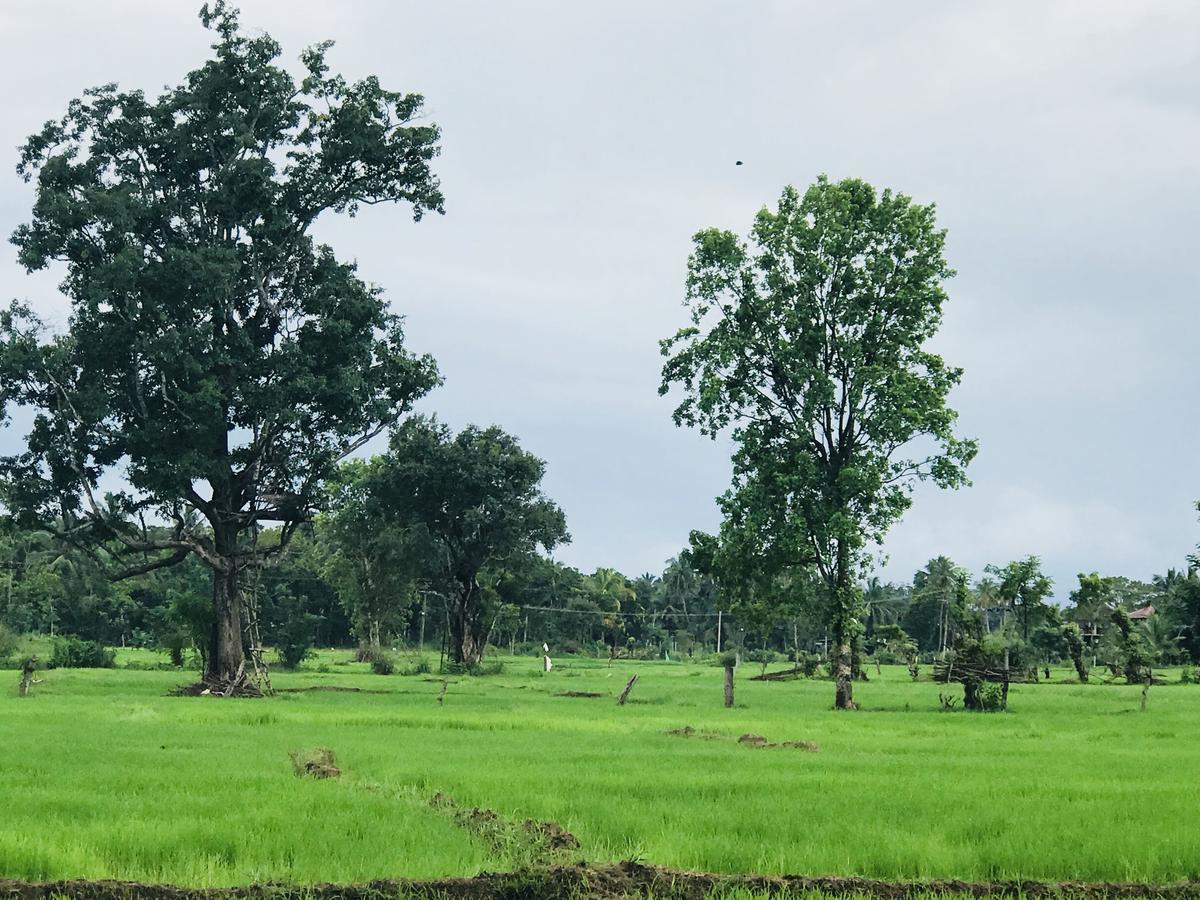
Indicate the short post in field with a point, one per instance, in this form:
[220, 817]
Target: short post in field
[625, 693]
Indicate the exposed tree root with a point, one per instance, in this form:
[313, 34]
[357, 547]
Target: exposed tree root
[209, 686]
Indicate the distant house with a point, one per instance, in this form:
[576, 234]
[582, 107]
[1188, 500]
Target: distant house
[1144, 613]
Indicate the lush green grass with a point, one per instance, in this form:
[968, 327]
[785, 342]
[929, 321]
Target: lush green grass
[104, 776]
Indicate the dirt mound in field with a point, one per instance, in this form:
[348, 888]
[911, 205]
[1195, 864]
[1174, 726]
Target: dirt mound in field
[757, 740]
[532, 842]
[580, 694]
[688, 731]
[616, 881]
[329, 689]
[317, 763]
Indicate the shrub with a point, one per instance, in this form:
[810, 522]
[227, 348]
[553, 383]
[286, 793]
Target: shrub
[382, 664]
[420, 666]
[763, 657]
[9, 643]
[991, 697]
[73, 653]
[809, 663]
[488, 668]
[293, 652]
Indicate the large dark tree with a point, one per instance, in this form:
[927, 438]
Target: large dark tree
[216, 356]
[810, 341]
[466, 503]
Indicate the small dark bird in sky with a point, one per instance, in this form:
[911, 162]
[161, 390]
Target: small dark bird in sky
[738, 163]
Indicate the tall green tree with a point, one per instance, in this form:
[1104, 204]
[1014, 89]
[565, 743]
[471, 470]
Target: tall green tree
[217, 356]
[940, 598]
[367, 557]
[467, 502]
[809, 340]
[1023, 588]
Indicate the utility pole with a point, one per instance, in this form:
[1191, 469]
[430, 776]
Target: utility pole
[718, 631]
[424, 603]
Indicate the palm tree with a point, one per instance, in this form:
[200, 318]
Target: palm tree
[940, 581]
[986, 598]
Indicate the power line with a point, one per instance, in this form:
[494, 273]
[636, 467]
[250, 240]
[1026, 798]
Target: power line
[631, 615]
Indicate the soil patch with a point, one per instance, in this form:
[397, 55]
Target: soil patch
[746, 740]
[330, 689]
[530, 843]
[688, 731]
[783, 675]
[609, 882]
[581, 694]
[757, 740]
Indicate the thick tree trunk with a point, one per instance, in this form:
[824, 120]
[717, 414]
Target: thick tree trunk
[467, 636]
[844, 609]
[225, 656]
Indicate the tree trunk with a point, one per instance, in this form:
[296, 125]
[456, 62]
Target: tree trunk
[225, 656]
[466, 627]
[844, 608]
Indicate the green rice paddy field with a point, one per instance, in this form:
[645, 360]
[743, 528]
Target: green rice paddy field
[103, 775]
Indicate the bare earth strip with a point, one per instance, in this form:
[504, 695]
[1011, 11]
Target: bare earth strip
[621, 880]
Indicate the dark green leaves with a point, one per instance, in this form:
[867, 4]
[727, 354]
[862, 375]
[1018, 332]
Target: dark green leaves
[217, 351]
[808, 339]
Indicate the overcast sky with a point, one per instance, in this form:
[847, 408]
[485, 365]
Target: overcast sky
[585, 143]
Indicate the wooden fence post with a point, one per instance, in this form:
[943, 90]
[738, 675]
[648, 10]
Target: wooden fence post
[625, 693]
[728, 685]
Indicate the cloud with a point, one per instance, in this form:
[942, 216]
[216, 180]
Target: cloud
[585, 144]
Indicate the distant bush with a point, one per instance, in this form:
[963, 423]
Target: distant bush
[9, 643]
[382, 663]
[764, 658]
[488, 668]
[991, 697]
[809, 664]
[419, 666]
[74, 653]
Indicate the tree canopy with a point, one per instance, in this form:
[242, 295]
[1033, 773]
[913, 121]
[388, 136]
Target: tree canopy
[467, 503]
[217, 357]
[809, 341]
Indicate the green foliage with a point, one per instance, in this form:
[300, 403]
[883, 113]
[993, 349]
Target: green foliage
[382, 663]
[9, 644]
[991, 697]
[420, 666]
[465, 503]
[297, 635]
[940, 609]
[217, 355]
[1022, 587]
[368, 558]
[74, 653]
[763, 657]
[809, 341]
[1073, 639]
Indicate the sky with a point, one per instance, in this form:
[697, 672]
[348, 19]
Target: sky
[584, 144]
